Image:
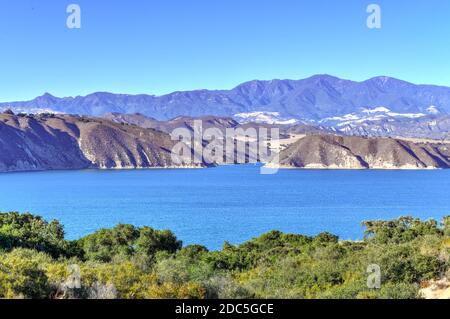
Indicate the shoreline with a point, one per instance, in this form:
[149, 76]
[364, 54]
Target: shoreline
[269, 166]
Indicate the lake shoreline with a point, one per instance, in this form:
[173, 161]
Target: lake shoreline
[268, 165]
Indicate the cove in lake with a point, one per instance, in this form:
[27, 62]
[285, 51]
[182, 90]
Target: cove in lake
[232, 203]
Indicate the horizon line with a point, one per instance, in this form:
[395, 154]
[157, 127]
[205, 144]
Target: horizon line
[216, 90]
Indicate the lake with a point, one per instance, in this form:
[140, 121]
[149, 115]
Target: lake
[232, 203]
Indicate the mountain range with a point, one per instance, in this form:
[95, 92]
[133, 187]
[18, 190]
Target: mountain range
[311, 99]
[221, 123]
[381, 106]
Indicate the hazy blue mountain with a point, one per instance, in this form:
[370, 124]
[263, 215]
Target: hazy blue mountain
[314, 98]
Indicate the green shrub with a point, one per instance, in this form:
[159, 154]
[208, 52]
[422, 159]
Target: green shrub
[28, 231]
[125, 241]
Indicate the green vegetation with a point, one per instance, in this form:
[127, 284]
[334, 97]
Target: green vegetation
[131, 262]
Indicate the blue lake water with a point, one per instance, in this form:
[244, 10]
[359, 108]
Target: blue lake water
[233, 203]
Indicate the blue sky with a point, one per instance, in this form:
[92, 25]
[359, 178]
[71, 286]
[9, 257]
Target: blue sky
[160, 46]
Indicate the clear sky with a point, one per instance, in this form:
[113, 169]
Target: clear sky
[160, 46]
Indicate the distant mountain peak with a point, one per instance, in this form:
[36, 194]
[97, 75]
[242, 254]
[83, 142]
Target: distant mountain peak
[48, 95]
[46, 100]
[324, 77]
[386, 80]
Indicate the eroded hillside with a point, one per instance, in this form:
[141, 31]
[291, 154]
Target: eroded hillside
[351, 152]
[43, 142]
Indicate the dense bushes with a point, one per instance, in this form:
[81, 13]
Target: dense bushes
[28, 231]
[126, 241]
[21, 275]
[131, 262]
[401, 230]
